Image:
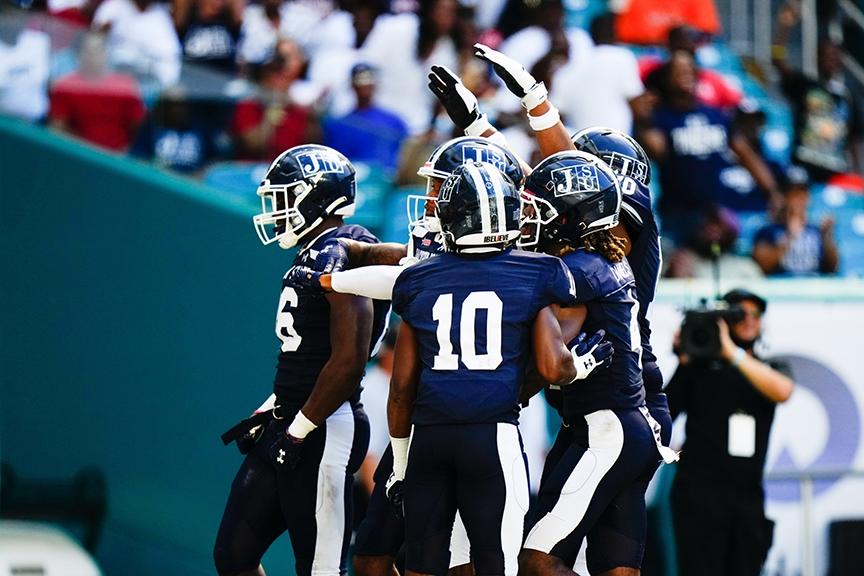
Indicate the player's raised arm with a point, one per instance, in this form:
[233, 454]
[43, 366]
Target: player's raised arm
[543, 117]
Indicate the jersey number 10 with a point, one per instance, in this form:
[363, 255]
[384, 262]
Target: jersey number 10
[442, 313]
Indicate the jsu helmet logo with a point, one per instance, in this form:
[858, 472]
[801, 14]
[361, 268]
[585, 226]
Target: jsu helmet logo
[319, 162]
[627, 166]
[484, 154]
[574, 180]
[446, 190]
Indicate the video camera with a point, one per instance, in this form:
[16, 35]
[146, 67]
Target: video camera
[700, 336]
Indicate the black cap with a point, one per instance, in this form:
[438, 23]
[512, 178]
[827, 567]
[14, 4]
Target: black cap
[738, 295]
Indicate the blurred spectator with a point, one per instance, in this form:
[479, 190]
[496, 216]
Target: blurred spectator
[694, 145]
[171, 137]
[302, 21]
[99, 106]
[828, 122]
[712, 89]
[368, 134]
[402, 48]
[793, 246]
[749, 122]
[141, 38]
[261, 26]
[546, 27]
[78, 12]
[265, 126]
[649, 21]
[331, 66]
[600, 91]
[709, 250]
[25, 66]
[209, 30]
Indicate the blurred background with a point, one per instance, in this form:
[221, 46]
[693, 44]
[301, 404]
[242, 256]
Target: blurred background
[138, 316]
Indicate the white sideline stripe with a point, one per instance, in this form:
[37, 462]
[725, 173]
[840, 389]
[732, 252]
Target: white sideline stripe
[605, 442]
[330, 496]
[516, 490]
[460, 547]
[482, 196]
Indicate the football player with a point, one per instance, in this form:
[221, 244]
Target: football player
[638, 229]
[360, 268]
[301, 454]
[470, 317]
[572, 203]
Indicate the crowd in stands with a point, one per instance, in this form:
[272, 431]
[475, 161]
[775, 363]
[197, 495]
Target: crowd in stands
[190, 82]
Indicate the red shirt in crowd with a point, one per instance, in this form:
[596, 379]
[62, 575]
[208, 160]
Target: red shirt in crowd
[105, 111]
[711, 88]
[291, 131]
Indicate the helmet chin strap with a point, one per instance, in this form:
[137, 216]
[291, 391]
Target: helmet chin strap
[432, 224]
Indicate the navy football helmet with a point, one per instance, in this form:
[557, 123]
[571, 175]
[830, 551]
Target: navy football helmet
[304, 185]
[449, 156]
[568, 196]
[479, 209]
[619, 150]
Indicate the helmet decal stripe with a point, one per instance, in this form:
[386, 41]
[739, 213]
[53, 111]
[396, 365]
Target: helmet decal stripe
[500, 211]
[482, 196]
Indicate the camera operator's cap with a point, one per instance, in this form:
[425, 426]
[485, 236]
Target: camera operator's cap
[738, 295]
[363, 74]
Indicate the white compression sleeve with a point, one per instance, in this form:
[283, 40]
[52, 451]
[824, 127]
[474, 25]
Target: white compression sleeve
[374, 282]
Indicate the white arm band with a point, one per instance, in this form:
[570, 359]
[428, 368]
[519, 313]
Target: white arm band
[400, 456]
[545, 121]
[374, 282]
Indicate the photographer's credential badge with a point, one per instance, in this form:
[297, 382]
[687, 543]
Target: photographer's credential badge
[742, 435]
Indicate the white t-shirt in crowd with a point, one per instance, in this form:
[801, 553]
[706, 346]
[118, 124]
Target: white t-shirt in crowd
[24, 71]
[330, 68]
[597, 92]
[530, 45]
[392, 47]
[144, 41]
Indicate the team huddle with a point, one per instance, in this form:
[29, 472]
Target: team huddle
[513, 280]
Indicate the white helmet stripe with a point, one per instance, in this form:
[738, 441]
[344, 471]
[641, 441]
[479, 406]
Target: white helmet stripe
[482, 196]
[499, 203]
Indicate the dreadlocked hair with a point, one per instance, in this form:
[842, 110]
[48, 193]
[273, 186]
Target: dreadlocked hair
[605, 243]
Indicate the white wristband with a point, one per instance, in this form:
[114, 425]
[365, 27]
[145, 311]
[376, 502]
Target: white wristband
[546, 120]
[400, 456]
[478, 127]
[301, 426]
[738, 356]
[535, 96]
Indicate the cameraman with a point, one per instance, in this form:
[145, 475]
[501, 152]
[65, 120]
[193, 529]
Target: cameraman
[717, 496]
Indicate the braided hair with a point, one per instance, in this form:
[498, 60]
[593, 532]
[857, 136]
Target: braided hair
[605, 243]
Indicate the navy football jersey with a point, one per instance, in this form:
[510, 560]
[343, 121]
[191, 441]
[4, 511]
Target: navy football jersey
[303, 325]
[645, 258]
[609, 292]
[473, 320]
[424, 243]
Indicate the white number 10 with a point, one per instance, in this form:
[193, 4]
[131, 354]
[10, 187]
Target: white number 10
[442, 313]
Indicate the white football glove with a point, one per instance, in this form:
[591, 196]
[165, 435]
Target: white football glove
[518, 80]
[588, 355]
